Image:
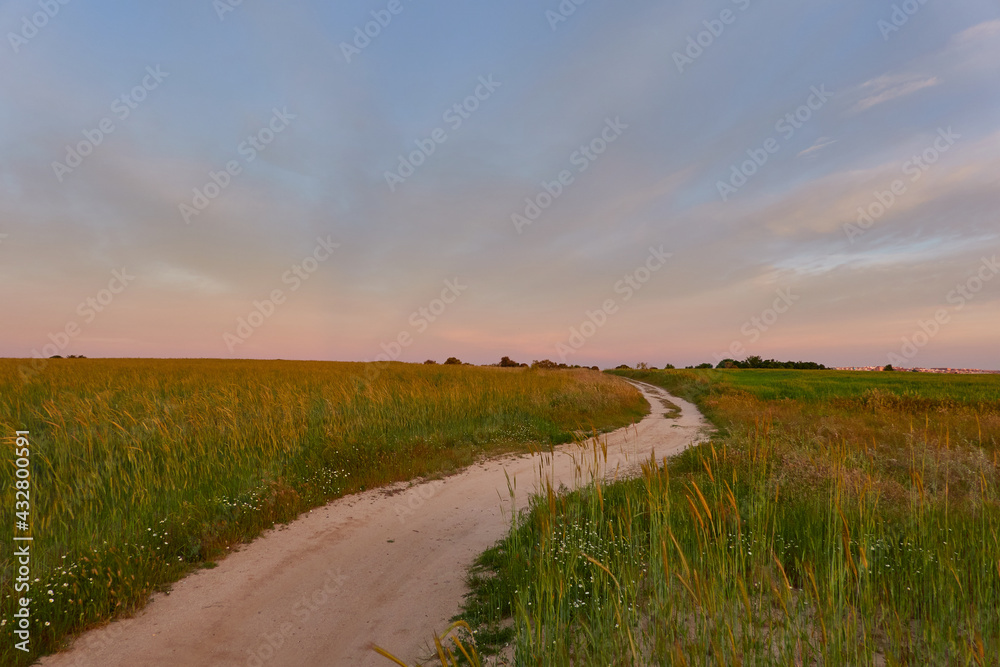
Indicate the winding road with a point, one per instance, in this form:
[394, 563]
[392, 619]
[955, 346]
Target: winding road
[386, 566]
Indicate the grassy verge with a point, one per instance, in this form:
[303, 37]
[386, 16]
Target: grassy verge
[836, 518]
[141, 470]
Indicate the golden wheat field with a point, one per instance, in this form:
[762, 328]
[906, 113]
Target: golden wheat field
[141, 470]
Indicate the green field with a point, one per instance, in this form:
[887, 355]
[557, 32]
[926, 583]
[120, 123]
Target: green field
[815, 386]
[835, 518]
[141, 470]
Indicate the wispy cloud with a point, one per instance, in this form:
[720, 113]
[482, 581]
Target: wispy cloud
[887, 88]
[820, 144]
[983, 30]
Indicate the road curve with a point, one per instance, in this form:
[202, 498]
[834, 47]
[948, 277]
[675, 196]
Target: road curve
[385, 566]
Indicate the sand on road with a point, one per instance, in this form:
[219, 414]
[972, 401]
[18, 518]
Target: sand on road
[386, 566]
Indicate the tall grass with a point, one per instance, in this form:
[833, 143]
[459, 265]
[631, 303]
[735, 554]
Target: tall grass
[858, 528]
[144, 469]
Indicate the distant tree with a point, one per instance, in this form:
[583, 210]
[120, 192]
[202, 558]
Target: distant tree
[507, 363]
[888, 367]
[55, 356]
[642, 366]
[594, 368]
[704, 365]
[453, 361]
[669, 367]
[544, 364]
[431, 362]
[756, 362]
[623, 367]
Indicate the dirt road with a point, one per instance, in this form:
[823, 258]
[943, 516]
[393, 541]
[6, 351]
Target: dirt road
[385, 566]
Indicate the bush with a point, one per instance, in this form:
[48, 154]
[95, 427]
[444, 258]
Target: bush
[431, 362]
[507, 363]
[453, 361]
[544, 364]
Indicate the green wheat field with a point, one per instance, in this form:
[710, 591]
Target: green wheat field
[831, 518]
[143, 470]
[834, 518]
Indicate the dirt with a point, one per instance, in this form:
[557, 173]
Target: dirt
[386, 566]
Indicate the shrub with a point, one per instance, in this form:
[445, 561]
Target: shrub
[453, 361]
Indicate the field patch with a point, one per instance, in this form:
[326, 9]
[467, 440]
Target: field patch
[144, 469]
[834, 518]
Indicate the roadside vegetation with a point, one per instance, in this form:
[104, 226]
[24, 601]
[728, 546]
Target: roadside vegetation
[834, 518]
[144, 469]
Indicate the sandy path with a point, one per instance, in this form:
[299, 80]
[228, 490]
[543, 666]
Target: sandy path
[385, 566]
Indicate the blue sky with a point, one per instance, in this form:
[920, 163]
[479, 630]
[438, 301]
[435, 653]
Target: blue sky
[893, 86]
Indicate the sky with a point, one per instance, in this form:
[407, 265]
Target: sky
[589, 182]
